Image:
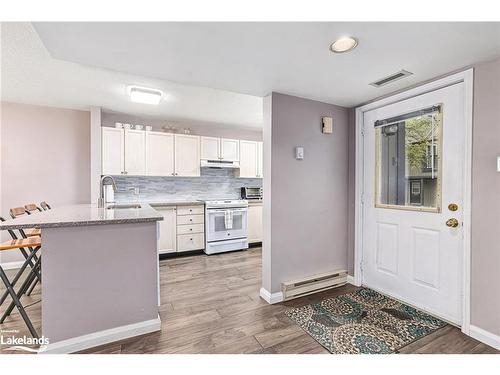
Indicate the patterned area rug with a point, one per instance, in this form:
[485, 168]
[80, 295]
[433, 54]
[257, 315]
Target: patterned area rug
[363, 321]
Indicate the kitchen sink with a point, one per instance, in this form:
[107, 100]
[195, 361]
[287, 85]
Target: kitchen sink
[123, 206]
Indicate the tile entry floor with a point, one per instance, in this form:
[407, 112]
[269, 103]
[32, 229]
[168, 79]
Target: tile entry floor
[211, 304]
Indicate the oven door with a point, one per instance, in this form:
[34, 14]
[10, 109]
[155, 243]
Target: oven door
[220, 226]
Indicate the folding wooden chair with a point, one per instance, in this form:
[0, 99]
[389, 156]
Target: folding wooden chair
[35, 243]
[45, 206]
[19, 211]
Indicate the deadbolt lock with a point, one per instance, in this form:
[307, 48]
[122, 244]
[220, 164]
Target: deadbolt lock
[452, 223]
[453, 207]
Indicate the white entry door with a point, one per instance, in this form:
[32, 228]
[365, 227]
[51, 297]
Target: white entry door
[413, 201]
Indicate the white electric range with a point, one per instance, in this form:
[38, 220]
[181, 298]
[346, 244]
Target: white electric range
[226, 225]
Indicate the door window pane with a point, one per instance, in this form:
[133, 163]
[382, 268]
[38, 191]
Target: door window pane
[408, 155]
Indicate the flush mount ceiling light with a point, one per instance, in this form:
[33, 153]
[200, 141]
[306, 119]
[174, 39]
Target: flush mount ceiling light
[144, 95]
[344, 44]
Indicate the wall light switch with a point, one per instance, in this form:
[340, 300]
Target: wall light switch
[498, 163]
[299, 153]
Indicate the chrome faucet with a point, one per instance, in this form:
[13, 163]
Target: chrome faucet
[101, 200]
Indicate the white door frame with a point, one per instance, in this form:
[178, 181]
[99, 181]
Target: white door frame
[467, 78]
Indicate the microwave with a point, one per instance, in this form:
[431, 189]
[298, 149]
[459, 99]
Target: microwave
[251, 193]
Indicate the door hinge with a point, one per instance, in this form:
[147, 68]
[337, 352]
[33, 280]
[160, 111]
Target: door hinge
[362, 198]
[363, 130]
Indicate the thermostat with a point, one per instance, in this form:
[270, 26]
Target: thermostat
[299, 153]
[327, 125]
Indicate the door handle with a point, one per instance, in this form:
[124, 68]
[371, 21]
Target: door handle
[452, 223]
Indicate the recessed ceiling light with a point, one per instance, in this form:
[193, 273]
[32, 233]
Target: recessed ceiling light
[144, 95]
[344, 44]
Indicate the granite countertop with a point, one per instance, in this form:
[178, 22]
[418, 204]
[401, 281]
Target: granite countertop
[83, 215]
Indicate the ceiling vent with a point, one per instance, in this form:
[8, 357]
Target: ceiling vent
[393, 77]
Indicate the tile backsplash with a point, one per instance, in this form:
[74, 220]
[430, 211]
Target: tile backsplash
[212, 184]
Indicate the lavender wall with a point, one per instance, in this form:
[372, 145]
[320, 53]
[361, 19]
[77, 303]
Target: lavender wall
[485, 285]
[212, 184]
[45, 155]
[198, 128]
[308, 205]
[98, 277]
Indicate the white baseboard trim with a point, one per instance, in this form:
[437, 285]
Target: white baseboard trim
[485, 337]
[12, 265]
[350, 279]
[271, 298]
[91, 340]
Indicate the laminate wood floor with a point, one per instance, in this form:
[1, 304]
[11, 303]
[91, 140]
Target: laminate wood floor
[211, 304]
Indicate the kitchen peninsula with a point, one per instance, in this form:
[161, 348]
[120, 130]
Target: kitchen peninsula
[99, 273]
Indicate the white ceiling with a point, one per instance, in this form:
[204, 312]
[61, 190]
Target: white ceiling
[30, 75]
[221, 70]
[292, 58]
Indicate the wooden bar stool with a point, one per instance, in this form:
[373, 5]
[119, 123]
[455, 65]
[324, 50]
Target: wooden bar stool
[36, 232]
[19, 211]
[30, 208]
[32, 242]
[45, 206]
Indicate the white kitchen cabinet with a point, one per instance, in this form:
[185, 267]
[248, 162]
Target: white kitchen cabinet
[167, 242]
[210, 148]
[159, 154]
[220, 149]
[112, 151]
[187, 155]
[254, 222]
[190, 228]
[135, 152]
[260, 159]
[230, 149]
[249, 159]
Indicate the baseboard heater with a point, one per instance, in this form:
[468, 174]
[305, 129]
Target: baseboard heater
[313, 284]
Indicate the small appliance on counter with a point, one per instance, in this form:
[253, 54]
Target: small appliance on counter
[226, 225]
[251, 193]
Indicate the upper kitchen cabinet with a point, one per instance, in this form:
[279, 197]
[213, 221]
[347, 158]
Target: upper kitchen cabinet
[260, 159]
[187, 155]
[224, 149]
[159, 154]
[250, 159]
[210, 148]
[230, 149]
[112, 151]
[135, 152]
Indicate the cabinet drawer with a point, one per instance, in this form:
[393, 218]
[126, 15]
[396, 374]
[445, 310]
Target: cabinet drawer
[190, 210]
[190, 219]
[187, 242]
[188, 229]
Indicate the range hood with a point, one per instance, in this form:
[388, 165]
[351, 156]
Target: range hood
[220, 164]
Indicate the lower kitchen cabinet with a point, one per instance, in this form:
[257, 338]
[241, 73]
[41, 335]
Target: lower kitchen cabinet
[182, 229]
[189, 242]
[190, 228]
[255, 222]
[167, 242]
